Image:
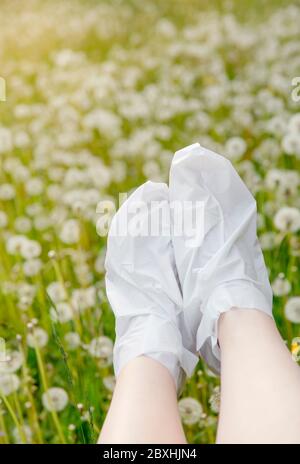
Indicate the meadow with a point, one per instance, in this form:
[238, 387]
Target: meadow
[99, 96]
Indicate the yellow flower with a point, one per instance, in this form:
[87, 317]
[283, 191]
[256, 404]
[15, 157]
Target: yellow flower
[295, 349]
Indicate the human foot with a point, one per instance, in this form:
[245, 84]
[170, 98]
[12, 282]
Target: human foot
[219, 260]
[142, 284]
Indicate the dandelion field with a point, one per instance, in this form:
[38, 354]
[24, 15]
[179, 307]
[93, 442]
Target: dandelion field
[100, 94]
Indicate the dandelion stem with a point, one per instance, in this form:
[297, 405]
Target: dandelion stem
[45, 386]
[14, 418]
[62, 282]
[33, 412]
[4, 430]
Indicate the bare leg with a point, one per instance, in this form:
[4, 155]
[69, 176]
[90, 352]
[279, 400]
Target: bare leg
[144, 406]
[260, 398]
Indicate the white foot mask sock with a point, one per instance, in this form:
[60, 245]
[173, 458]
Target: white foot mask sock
[218, 257]
[142, 284]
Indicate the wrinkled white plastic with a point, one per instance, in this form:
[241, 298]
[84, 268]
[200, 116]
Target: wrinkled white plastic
[226, 269]
[142, 288]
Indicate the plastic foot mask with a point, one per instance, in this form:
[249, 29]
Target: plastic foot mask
[142, 284]
[217, 254]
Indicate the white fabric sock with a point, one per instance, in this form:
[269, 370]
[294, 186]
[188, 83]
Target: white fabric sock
[219, 260]
[142, 284]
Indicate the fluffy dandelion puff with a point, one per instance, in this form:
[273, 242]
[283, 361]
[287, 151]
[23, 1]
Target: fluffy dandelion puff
[291, 144]
[62, 313]
[268, 240]
[9, 383]
[287, 219]
[25, 431]
[235, 148]
[70, 232]
[83, 298]
[214, 400]
[6, 141]
[23, 225]
[55, 399]
[292, 309]
[37, 338]
[294, 124]
[7, 192]
[34, 186]
[57, 292]
[30, 249]
[12, 363]
[15, 243]
[281, 286]
[101, 347]
[72, 340]
[32, 267]
[109, 382]
[190, 410]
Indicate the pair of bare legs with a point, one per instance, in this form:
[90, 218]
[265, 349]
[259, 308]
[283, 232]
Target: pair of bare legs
[260, 390]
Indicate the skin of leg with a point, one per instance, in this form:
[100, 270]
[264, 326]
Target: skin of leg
[144, 406]
[260, 393]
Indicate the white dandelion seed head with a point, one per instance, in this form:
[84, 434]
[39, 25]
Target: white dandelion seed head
[277, 125]
[6, 140]
[30, 249]
[25, 432]
[292, 310]
[294, 124]
[281, 286]
[274, 178]
[83, 274]
[99, 263]
[287, 219]
[15, 243]
[23, 225]
[215, 400]
[166, 28]
[105, 121]
[83, 298]
[109, 382]
[62, 312]
[270, 208]
[190, 410]
[21, 140]
[26, 290]
[268, 240]
[55, 399]
[9, 383]
[12, 363]
[56, 292]
[32, 267]
[72, 340]
[38, 337]
[34, 186]
[291, 144]
[70, 232]
[235, 148]
[101, 347]
[261, 221]
[41, 222]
